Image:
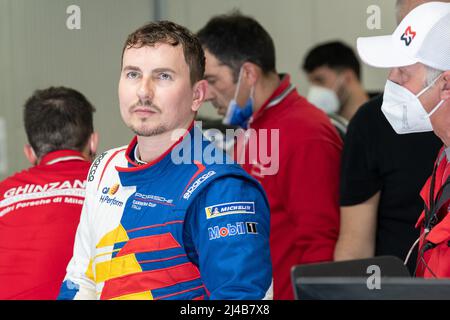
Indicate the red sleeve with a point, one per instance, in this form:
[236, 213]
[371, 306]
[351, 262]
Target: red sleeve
[310, 176]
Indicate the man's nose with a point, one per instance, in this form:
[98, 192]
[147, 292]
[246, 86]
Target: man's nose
[145, 90]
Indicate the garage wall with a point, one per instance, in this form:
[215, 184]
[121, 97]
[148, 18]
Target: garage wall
[38, 50]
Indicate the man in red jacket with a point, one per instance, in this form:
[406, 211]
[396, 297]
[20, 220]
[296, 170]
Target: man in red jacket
[417, 99]
[298, 150]
[40, 207]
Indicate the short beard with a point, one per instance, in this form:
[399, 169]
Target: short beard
[148, 132]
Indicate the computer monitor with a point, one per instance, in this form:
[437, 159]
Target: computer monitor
[347, 288]
[390, 266]
[356, 279]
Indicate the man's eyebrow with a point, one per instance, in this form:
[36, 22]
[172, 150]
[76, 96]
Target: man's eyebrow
[131, 68]
[157, 70]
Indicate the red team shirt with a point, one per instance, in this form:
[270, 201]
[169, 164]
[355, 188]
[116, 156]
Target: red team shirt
[39, 213]
[304, 193]
[437, 258]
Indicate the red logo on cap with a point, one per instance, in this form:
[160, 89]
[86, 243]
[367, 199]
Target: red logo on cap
[408, 36]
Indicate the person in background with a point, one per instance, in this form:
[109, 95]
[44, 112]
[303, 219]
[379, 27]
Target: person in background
[334, 73]
[417, 99]
[303, 190]
[382, 174]
[40, 207]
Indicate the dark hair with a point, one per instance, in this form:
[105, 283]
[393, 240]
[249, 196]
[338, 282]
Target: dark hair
[56, 119]
[171, 33]
[234, 39]
[335, 55]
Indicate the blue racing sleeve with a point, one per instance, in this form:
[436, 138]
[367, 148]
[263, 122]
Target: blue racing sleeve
[227, 236]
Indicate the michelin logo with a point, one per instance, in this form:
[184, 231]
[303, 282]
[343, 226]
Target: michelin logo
[224, 209]
[235, 229]
[197, 183]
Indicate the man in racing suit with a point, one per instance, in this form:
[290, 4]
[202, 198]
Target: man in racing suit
[169, 216]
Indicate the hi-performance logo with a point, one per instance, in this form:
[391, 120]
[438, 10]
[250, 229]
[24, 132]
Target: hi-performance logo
[113, 190]
[408, 36]
[107, 192]
[232, 229]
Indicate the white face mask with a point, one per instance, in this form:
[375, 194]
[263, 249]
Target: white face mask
[404, 111]
[324, 98]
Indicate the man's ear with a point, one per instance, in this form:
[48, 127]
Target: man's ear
[93, 143]
[249, 77]
[89, 152]
[30, 155]
[445, 93]
[250, 73]
[199, 94]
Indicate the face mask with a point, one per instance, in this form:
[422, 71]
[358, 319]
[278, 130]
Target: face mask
[324, 98]
[404, 111]
[237, 115]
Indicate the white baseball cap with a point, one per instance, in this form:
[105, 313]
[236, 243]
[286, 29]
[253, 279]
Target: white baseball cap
[422, 36]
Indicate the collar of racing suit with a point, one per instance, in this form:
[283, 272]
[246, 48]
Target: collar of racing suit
[137, 159]
[130, 154]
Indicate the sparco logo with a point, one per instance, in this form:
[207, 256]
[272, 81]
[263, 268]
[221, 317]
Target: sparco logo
[94, 167]
[198, 182]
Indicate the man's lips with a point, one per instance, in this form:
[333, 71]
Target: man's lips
[144, 111]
